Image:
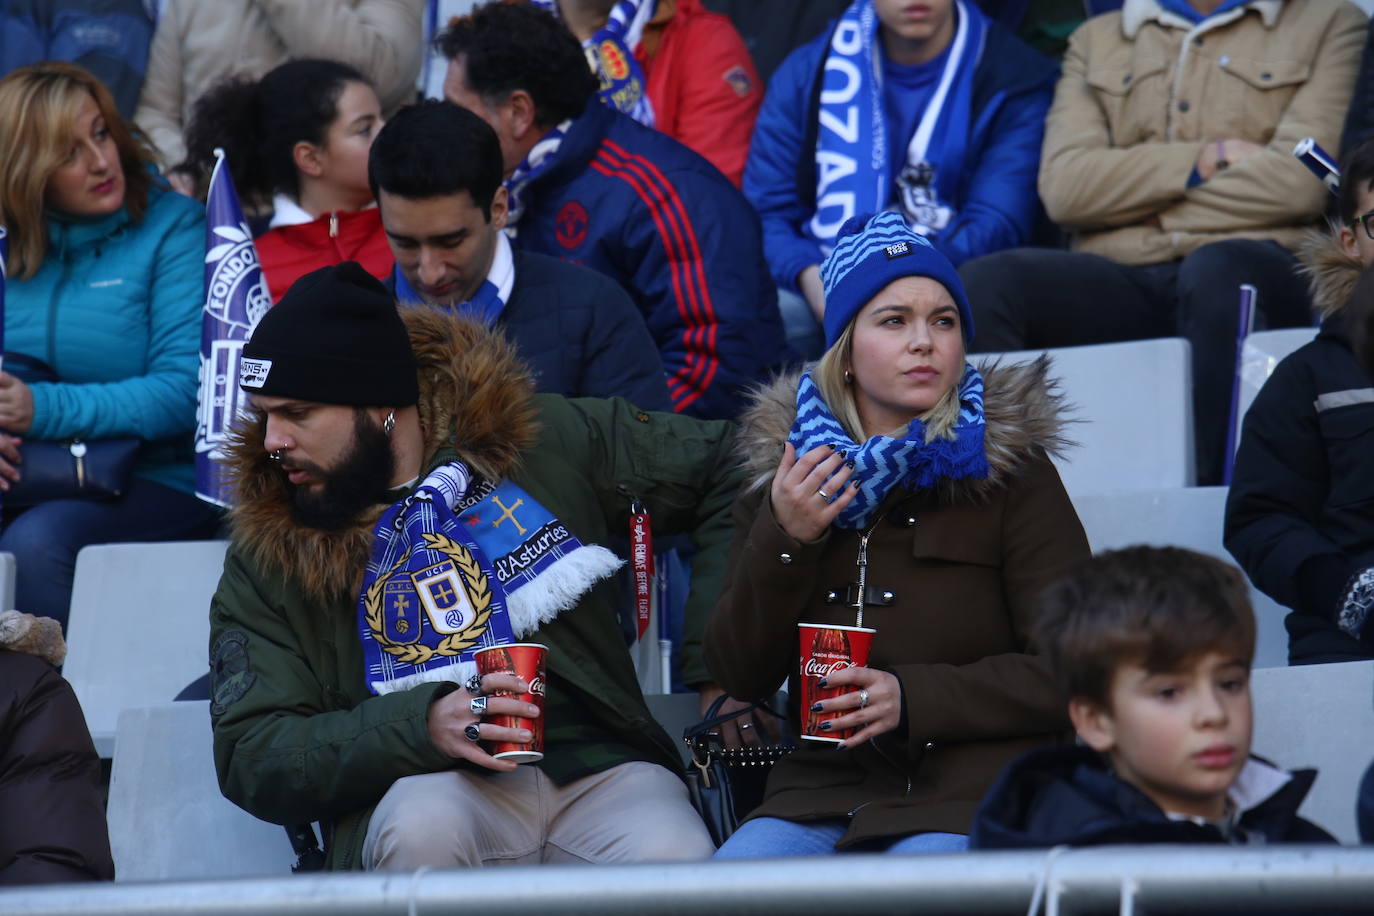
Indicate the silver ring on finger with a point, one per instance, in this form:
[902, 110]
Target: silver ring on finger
[863, 698]
[823, 495]
[478, 705]
[474, 685]
[472, 731]
[746, 725]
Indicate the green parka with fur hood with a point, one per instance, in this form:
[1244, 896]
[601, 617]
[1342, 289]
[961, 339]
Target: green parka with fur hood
[297, 735]
[953, 573]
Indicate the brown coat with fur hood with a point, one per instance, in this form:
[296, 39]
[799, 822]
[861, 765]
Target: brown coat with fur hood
[964, 563]
[297, 735]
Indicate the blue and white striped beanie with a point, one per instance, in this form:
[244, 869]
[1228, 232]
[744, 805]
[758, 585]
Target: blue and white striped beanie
[872, 251]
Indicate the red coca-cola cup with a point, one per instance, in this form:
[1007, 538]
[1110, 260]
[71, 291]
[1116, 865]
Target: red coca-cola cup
[526, 661]
[825, 649]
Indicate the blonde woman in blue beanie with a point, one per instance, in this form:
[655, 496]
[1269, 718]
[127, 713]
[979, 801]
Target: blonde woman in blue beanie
[894, 463]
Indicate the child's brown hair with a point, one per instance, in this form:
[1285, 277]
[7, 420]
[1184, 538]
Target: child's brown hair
[1155, 606]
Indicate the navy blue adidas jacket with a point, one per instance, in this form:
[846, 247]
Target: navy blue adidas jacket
[996, 201]
[651, 214]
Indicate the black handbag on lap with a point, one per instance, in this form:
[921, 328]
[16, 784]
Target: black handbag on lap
[66, 468]
[725, 784]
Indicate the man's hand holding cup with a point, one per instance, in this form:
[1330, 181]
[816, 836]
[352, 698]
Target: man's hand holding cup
[453, 720]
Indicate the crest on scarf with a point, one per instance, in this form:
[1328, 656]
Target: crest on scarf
[454, 594]
[613, 62]
[920, 200]
[453, 569]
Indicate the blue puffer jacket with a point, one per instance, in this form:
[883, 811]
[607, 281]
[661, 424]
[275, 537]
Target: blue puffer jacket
[115, 310]
[996, 201]
[661, 221]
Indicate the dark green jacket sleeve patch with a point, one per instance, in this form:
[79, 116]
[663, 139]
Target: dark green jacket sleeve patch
[230, 673]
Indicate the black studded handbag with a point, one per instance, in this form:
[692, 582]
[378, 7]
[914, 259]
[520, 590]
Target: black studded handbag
[726, 783]
[66, 468]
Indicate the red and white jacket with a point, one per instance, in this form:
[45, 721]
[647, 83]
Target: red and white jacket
[297, 243]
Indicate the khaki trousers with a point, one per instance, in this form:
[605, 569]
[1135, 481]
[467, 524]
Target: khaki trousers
[635, 812]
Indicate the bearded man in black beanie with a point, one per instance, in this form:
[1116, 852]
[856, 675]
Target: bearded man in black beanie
[403, 498]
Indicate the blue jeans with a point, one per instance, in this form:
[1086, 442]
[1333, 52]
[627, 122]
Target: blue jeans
[769, 837]
[46, 538]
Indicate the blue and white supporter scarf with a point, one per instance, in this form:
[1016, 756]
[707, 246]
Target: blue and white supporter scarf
[884, 462]
[611, 55]
[538, 160]
[491, 297]
[462, 564]
[853, 170]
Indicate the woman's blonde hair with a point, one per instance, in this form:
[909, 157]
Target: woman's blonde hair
[38, 108]
[830, 377]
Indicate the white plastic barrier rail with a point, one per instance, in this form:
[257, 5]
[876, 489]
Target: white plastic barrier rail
[1126, 879]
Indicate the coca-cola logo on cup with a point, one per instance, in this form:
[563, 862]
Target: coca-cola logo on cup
[815, 668]
[537, 686]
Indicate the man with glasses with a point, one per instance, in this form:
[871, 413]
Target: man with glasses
[1167, 155]
[1300, 515]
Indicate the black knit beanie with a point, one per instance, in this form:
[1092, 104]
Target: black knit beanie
[334, 338]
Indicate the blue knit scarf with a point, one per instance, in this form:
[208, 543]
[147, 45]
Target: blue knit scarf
[884, 462]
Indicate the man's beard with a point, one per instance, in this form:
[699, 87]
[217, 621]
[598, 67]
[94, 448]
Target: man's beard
[360, 481]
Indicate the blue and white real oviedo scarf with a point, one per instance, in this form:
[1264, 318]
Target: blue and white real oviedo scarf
[885, 462]
[462, 564]
[611, 55]
[538, 160]
[853, 170]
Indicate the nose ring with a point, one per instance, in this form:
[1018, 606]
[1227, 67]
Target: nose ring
[277, 454]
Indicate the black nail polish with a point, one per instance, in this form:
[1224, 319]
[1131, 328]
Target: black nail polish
[815, 707]
[822, 682]
[825, 726]
[849, 464]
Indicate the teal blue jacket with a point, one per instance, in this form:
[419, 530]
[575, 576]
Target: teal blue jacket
[115, 310]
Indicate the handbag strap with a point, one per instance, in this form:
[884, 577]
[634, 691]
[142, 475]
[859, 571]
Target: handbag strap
[702, 739]
[29, 369]
[714, 719]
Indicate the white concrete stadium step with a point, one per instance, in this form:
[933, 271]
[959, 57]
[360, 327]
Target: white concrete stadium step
[139, 628]
[1134, 411]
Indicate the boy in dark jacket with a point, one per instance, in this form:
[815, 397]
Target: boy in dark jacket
[1154, 645]
[1300, 512]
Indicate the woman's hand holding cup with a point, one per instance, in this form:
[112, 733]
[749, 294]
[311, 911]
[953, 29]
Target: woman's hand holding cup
[879, 714]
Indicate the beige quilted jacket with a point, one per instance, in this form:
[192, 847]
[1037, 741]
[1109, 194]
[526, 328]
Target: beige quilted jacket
[1143, 91]
[200, 42]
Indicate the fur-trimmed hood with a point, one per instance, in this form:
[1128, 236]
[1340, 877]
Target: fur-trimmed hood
[1023, 407]
[476, 397]
[1331, 273]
